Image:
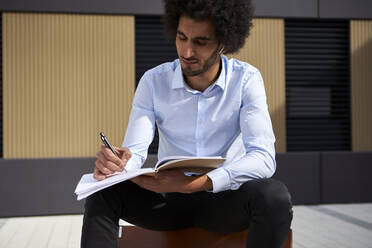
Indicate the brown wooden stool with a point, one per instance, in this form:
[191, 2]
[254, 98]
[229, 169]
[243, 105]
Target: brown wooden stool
[136, 237]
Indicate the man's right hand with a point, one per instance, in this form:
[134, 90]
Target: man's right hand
[107, 163]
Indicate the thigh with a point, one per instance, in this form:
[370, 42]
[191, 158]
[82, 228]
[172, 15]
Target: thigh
[150, 210]
[232, 210]
[222, 212]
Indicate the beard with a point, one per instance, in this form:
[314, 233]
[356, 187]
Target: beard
[211, 60]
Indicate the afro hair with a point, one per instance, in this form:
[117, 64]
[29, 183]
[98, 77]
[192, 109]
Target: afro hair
[232, 19]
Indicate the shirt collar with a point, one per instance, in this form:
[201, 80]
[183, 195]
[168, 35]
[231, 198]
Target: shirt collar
[179, 82]
[221, 80]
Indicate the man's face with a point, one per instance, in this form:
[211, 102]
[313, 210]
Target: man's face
[197, 46]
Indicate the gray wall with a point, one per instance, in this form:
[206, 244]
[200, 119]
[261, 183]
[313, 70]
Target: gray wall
[264, 8]
[46, 186]
[286, 8]
[350, 9]
[85, 6]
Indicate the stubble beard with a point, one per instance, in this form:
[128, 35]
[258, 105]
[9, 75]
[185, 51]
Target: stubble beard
[188, 72]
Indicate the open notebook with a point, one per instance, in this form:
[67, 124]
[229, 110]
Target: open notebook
[190, 165]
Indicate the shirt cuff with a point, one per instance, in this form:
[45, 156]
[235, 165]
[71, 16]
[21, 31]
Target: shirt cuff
[135, 162]
[220, 180]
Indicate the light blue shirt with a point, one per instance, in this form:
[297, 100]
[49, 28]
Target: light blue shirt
[229, 119]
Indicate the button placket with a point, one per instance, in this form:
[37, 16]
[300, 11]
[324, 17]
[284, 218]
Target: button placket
[200, 126]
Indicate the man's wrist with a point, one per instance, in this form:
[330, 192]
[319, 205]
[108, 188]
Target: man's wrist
[208, 185]
[201, 183]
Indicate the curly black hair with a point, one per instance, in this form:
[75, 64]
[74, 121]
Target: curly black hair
[232, 19]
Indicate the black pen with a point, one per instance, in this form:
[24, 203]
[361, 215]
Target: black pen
[108, 145]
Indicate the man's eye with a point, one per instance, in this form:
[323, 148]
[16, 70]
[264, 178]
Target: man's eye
[181, 37]
[201, 43]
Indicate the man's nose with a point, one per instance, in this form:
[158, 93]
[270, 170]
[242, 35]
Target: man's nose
[189, 50]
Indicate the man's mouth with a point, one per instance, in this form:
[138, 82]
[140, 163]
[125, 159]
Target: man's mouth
[189, 61]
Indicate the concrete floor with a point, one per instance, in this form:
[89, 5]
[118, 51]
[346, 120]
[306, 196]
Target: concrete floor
[333, 226]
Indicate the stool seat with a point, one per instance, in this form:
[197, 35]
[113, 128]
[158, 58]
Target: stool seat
[137, 237]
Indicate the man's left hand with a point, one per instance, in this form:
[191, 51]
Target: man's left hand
[173, 181]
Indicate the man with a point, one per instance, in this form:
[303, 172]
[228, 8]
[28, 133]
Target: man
[204, 105]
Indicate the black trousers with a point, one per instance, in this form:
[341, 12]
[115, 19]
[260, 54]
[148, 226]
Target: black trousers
[263, 205]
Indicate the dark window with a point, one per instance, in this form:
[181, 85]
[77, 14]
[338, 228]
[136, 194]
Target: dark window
[317, 85]
[152, 49]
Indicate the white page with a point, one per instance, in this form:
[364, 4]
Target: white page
[88, 185]
[174, 158]
[170, 158]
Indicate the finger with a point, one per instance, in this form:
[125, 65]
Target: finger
[100, 166]
[101, 157]
[98, 175]
[112, 166]
[127, 153]
[110, 156]
[123, 152]
[108, 153]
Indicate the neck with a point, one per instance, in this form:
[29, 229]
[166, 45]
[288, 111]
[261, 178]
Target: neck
[203, 81]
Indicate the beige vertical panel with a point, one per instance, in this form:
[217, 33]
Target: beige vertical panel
[66, 77]
[361, 84]
[264, 49]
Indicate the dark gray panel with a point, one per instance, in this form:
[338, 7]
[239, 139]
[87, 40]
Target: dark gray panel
[264, 8]
[300, 172]
[85, 6]
[46, 186]
[345, 9]
[41, 186]
[286, 8]
[346, 177]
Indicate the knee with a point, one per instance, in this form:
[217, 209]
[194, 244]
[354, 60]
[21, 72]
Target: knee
[95, 203]
[104, 201]
[273, 198]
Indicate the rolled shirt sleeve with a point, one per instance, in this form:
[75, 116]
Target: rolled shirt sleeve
[141, 125]
[258, 138]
